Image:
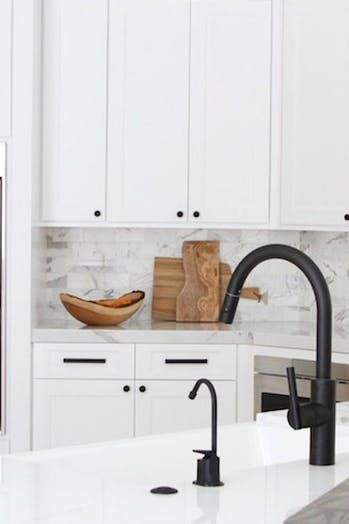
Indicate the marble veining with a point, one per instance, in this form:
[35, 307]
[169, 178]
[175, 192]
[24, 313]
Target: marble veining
[295, 335]
[331, 508]
[107, 262]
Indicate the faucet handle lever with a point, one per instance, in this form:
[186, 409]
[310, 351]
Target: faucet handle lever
[205, 452]
[293, 415]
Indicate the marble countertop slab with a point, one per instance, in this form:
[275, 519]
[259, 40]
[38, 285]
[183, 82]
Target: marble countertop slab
[333, 507]
[298, 335]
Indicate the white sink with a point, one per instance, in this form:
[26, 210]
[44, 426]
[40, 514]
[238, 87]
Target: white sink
[261, 465]
[241, 446]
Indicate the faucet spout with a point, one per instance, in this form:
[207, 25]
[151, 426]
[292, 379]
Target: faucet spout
[192, 396]
[319, 414]
[317, 282]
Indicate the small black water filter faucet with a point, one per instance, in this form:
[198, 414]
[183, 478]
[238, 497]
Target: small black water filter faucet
[208, 471]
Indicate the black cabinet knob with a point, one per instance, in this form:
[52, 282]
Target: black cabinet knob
[126, 389]
[142, 389]
[346, 216]
[180, 214]
[97, 213]
[196, 214]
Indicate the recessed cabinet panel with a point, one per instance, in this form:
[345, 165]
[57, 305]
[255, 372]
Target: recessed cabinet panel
[163, 406]
[74, 110]
[230, 111]
[315, 113]
[148, 110]
[69, 412]
[5, 67]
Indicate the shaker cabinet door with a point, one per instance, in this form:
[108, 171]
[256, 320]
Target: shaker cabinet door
[148, 110]
[230, 111]
[5, 66]
[69, 412]
[315, 113]
[75, 34]
[163, 406]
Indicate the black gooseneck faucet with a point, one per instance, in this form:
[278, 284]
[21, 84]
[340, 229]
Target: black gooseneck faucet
[318, 414]
[208, 467]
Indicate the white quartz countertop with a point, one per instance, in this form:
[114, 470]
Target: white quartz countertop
[298, 335]
[264, 467]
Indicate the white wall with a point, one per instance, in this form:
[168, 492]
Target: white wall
[22, 162]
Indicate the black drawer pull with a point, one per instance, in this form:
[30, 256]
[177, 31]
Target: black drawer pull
[84, 360]
[186, 361]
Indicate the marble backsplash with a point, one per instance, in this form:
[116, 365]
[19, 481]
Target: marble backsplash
[95, 263]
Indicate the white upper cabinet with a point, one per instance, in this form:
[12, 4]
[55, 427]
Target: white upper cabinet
[148, 110]
[74, 110]
[5, 66]
[315, 113]
[230, 111]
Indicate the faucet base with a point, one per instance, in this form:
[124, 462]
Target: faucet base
[208, 471]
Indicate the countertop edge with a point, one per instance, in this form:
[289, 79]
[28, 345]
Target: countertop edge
[279, 334]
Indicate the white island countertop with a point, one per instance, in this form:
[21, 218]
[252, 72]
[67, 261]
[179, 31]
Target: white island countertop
[264, 467]
[297, 335]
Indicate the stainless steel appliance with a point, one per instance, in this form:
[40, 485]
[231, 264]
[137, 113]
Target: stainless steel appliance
[2, 280]
[271, 386]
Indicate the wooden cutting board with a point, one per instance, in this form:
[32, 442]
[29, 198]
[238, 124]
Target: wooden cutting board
[198, 301]
[169, 281]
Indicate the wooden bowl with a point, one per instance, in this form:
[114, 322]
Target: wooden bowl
[108, 312]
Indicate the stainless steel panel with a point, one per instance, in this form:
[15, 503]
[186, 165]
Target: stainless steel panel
[306, 368]
[271, 365]
[3, 164]
[271, 378]
[279, 386]
[342, 392]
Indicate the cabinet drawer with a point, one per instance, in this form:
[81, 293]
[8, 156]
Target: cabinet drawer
[185, 361]
[103, 361]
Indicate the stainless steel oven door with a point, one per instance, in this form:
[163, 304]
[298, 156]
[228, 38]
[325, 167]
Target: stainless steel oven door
[276, 386]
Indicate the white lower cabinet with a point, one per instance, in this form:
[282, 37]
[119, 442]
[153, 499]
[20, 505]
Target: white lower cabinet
[164, 406]
[81, 395]
[68, 412]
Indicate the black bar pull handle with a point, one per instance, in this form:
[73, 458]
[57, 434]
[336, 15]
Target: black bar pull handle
[84, 360]
[186, 361]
